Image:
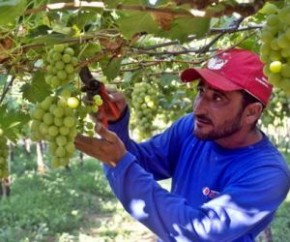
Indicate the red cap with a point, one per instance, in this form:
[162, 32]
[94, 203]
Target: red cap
[232, 70]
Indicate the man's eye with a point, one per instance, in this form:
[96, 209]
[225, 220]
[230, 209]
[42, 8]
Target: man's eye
[217, 97]
[200, 89]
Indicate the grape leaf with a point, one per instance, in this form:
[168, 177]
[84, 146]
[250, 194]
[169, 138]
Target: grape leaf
[90, 50]
[111, 67]
[37, 90]
[183, 27]
[131, 23]
[82, 18]
[12, 122]
[54, 38]
[10, 10]
[39, 30]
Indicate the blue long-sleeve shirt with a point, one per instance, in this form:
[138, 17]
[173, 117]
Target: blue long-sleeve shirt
[217, 194]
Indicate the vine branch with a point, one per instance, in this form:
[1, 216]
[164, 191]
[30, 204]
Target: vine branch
[199, 8]
[6, 89]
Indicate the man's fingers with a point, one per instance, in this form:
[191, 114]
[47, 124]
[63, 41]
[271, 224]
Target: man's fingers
[80, 139]
[117, 96]
[105, 133]
[81, 142]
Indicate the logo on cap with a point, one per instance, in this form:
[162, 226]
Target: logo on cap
[217, 62]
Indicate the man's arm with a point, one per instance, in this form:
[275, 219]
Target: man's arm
[229, 216]
[159, 154]
[242, 205]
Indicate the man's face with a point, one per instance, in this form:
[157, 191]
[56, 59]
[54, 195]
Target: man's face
[218, 114]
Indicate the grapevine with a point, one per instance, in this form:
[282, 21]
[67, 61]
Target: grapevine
[3, 156]
[144, 103]
[57, 120]
[60, 63]
[60, 116]
[275, 51]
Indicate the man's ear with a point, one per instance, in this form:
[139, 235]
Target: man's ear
[253, 112]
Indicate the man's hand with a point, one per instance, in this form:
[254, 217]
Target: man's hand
[108, 148]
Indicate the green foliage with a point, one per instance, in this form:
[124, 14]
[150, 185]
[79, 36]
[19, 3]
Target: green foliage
[142, 23]
[43, 206]
[9, 10]
[62, 204]
[111, 67]
[281, 224]
[12, 122]
[124, 42]
[37, 90]
[181, 28]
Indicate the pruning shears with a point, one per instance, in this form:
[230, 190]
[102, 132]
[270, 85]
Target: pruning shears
[94, 87]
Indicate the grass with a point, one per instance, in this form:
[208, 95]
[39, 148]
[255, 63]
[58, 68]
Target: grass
[281, 225]
[77, 205]
[44, 207]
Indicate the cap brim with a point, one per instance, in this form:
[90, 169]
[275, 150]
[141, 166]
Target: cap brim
[212, 78]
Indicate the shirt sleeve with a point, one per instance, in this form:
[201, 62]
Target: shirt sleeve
[240, 207]
[159, 154]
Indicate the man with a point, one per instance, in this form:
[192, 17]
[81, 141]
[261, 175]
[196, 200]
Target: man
[227, 178]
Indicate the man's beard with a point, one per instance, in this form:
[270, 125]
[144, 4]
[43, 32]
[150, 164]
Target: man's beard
[228, 128]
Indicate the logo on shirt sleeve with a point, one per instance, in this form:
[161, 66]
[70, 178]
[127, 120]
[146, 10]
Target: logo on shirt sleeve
[206, 191]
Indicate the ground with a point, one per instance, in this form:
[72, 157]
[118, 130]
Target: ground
[117, 228]
[120, 227]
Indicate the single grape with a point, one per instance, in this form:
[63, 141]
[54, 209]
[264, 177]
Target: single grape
[53, 131]
[69, 68]
[65, 93]
[73, 102]
[56, 56]
[58, 111]
[66, 58]
[60, 151]
[59, 65]
[59, 47]
[275, 66]
[98, 100]
[64, 130]
[38, 113]
[70, 147]
[61, 140]
[70, 51]
[69, 122]
[48, 118]
[269, 8]
[62, 75]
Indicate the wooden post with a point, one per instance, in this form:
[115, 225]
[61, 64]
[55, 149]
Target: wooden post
[266, 235]
[5, 188]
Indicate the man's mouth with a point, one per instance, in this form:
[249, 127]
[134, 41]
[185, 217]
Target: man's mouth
[200, 121]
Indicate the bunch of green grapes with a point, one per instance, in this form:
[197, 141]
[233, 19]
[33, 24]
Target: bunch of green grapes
[54, 121]
[57, 120]
[144, 103]
[60, 63]
[275, 48]
[3, 156]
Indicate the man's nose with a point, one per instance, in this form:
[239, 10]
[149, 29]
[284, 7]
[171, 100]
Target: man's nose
[200, 105]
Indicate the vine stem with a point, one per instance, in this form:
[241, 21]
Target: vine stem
[242, 9]
[6, 89]
[85, 4]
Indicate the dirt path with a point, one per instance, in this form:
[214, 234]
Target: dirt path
[119, 227]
